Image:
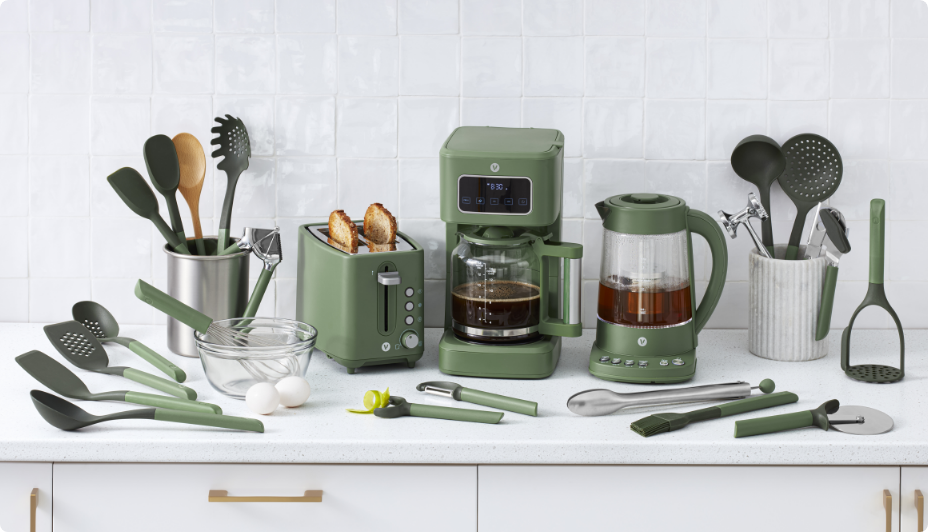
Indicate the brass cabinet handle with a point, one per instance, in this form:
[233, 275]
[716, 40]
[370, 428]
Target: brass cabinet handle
[33, 504]
[223, 496]
[888, 506]
[920, 508]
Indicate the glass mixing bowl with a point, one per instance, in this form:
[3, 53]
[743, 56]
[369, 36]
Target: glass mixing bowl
[233, 369]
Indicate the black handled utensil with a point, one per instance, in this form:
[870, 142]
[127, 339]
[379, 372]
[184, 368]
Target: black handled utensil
[235, 148]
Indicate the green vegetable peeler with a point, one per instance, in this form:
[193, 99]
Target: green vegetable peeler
[459, 393]
[399, 407]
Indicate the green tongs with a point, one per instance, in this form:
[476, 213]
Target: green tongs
[399, 407]
[459, 393]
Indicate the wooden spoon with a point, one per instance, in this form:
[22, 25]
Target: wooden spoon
[192, 162]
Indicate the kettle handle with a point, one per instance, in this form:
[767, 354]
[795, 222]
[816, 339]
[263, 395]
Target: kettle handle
[570, 255]
[705, 226]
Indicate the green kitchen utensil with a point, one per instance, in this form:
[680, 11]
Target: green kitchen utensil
[235, 148]
[81, 348]
[813, 173]
[269, 251]
[604, 402]
[61, 380]
[459, 393]
[829, 234]
[137, 195]
[859, 420]
[67, 416]
[164, 172]
[192, 164]
[399, 407]
[250, 235]
[669, 422]
[758, 159]
[876, 297]
[103, 325]
[197, 320]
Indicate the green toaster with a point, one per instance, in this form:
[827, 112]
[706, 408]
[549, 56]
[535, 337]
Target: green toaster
[366, 306]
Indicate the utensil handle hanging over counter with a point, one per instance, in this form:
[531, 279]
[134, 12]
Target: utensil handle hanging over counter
[795, 236]
[209, 420]
[770, 424]
[163, 385]
[877, 236]
[173, 403]
[172, 307]
[152, 357]
[502, 402]
[454, 414]
[828, 301]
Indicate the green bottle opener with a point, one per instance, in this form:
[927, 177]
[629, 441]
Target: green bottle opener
[876, 297]
[459, 393]
[399, 407]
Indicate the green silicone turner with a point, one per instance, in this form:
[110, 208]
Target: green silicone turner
[103, 325]
[399, 407]
[63, 381]
[137, 195]
[164, 172]
[67, 416]
[79, 347]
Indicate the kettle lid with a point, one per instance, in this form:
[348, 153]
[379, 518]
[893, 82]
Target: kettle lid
[643, 213]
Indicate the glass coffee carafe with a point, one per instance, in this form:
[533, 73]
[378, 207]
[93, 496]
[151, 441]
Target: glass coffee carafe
[644, 280]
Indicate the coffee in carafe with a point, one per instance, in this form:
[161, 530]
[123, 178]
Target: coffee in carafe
[496, 305]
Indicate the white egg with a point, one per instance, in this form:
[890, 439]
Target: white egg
[262, 398]
[294, 391]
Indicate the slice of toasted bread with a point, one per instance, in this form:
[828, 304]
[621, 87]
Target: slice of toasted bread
[335, 244]
[343, 230]
[379, 225]
[378, 248]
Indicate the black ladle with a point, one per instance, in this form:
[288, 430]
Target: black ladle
[758, 159]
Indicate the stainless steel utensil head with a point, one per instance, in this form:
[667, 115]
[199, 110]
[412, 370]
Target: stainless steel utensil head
[595, 403]
[874, 421]
[267, 247]
[753, 210]
[441, 388]
[78, 345]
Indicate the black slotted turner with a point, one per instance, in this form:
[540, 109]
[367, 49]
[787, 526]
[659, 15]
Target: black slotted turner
[235, 148]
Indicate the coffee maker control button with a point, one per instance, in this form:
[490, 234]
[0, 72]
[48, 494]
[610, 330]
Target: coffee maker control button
[678, 362]
[664, 363]
[410, 340]
[616, 361]
[629, 363]
[409, 305]
[410, 320]
[410, 292]
[642, 363]
[604, 359]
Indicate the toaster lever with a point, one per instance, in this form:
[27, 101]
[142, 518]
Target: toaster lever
[388, 278]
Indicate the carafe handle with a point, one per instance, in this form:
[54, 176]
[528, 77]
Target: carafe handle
[705, 226]
[571, 255]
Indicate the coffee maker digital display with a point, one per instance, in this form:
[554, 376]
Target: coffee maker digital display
[495, 195]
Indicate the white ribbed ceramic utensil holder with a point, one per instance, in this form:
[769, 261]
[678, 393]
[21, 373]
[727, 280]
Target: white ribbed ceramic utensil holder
[784, 299]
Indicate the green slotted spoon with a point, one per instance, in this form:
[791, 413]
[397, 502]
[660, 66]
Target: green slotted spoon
[79, 347]
[61, 380]
[235, 149]
[813, 173]
[67, 416]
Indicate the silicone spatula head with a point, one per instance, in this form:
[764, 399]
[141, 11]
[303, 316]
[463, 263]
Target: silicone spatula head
[96, 318]
[77, 345]
[134, 191]
[53, 375]
[162, 164]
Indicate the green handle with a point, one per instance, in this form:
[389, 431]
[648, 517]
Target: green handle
[233, 248]
[164, 385]
[223, 241]
[499, 401]
[201, 247]
[209, 420]
[171, 402]
[706, 226]
[258, 294]
[877, 236]
[158, 361]
[176, 243]
[828, 301]
[757, 402]
[454, 414]
[767, 425]
[563, 250]
[172, 307]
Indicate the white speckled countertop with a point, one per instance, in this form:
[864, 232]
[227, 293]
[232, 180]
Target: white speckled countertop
[322, 432]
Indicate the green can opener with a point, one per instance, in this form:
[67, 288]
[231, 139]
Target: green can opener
[853, 419]
[459, 393]
[399, 407]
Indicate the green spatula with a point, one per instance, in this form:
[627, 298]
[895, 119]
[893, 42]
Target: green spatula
[137, 195]
[61, 380]
[164, 171]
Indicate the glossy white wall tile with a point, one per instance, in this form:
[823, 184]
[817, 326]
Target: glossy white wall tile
[347, 102]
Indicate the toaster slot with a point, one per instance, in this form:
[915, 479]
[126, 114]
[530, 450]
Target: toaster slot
[388, 279]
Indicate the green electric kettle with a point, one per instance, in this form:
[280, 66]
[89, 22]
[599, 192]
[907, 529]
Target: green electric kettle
[646, 327]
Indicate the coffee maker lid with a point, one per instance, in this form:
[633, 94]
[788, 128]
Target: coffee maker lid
[643, 214]
[516, 142]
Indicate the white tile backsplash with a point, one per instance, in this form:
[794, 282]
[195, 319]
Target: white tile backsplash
[348, 101]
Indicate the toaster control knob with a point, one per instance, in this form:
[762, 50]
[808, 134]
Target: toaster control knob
[410, 340]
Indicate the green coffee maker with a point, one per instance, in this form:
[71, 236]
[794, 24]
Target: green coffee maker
[646, 328]
[512, 288]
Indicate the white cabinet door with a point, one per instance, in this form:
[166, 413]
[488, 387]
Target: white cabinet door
[362, 498]
[17, 481]
[685, 498]
[913, 478]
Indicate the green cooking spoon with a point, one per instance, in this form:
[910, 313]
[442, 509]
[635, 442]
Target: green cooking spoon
[67, 416]
[79, 347]
[399, 407]
[61, 380]
[103, 325]
[235, 148]
[137, 195]
[164, 172]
